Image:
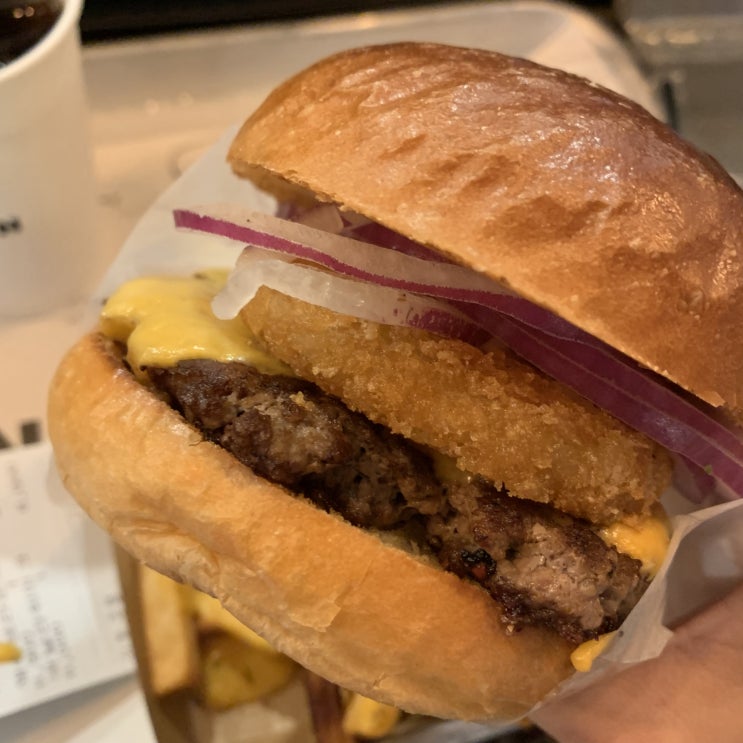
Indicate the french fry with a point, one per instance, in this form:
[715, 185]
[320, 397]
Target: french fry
[170, 634]
[365, 718]
[235, 672]
[211, 616]
[194, 643]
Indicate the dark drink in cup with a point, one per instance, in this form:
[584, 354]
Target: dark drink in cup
[23, 24]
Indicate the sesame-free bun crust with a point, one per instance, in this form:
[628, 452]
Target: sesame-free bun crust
[357, 610]
[573, 196]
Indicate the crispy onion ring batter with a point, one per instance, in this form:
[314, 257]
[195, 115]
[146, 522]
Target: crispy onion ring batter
[491, 412]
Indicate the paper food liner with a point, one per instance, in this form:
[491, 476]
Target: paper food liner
[705, 558]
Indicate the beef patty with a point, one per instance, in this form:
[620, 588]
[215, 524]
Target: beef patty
[542, 566]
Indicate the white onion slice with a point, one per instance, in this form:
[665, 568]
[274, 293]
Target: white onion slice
[367, 301]
[563, 351]
[325, 217]
[330, 218]
[367, 262]
[353, 258]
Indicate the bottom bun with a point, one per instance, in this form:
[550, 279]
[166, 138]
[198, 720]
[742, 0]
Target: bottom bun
[352, 607]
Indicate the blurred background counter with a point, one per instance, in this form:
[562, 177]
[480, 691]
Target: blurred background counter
[692, 49]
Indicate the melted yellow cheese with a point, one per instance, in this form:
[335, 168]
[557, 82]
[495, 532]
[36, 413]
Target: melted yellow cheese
[445, 468]
[646, 541]
[166, 320]
[583, 656]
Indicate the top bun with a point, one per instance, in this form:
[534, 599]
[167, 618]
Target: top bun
[573, 196]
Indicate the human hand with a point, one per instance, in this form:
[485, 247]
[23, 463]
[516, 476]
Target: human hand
[691, 692]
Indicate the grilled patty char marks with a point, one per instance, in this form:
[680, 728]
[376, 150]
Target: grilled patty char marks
[540, 564]
[543, 567]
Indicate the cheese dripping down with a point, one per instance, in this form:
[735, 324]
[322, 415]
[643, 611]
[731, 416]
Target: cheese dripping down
[164, 320]
[647, 542]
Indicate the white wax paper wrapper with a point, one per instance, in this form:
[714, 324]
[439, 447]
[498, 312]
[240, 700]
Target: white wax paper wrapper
[705, 559]
[154, 247]
[704, 563]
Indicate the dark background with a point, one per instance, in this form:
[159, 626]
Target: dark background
[109, 19]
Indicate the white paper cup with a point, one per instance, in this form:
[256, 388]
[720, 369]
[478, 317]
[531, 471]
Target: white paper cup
[47, 193]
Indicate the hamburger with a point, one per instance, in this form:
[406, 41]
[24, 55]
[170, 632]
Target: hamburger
[366, 457]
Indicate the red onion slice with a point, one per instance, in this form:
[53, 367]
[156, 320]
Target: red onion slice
[353, 258]
[623, 373]
[356, 226]
[565, 352]
[367, 262]
[667, 423]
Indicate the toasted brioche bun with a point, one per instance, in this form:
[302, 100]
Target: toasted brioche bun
[366, 613]
[573, 196]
